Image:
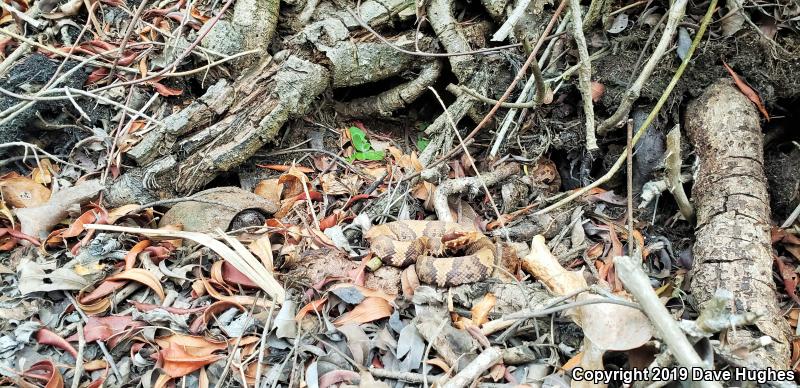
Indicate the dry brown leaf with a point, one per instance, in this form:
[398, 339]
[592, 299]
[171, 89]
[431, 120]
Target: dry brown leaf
[270, 189]
[192, 344]
[284, 168]
[480, 311]
[143, 276]
[336, 185]
[747, 91]
[5, 212]
[117, 213]
[43, 370]
[239, 256]
[22, 192]
[293, 182]
[370, 309]
[262, 248]
[43, 173]
[314, 305]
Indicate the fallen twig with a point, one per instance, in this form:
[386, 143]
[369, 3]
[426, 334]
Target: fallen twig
[584, 74]
[78, 371]
[672, 166]
[106, 354]
[474, 369]
[638, 284]
[471, 184]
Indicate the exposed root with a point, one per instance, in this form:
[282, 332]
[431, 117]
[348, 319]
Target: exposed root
[395, 98]
[471, 185]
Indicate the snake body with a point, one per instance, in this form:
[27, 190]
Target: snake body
[429, 245]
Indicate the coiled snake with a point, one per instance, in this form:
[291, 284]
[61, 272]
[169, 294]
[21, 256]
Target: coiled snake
[402, 243]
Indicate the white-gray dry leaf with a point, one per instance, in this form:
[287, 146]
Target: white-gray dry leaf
[410, 348]
[33, 278]
[684, 42]
[336, 234]
[357, 341]
[349, 295]
[177, 272]
[238, 326]
[733, 23]
[285, 325]
[312, 376]
[619, 25]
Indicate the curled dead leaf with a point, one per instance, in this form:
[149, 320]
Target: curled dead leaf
[143, 276]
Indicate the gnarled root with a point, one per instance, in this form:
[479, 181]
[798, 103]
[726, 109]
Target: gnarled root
[265, 101]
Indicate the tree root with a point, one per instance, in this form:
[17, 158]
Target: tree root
[395, 98]
[283, 91]
[733, 248]
[473, 185]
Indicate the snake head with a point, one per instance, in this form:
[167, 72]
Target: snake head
[459, 239]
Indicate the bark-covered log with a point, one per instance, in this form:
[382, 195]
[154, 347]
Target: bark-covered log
[733, 249]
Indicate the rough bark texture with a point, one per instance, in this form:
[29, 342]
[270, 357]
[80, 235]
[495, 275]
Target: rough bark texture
[266, 97]
[733, 250]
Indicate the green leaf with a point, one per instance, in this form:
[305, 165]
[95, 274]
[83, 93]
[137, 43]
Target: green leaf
[422, 143]
[359, 139]
[369, 155]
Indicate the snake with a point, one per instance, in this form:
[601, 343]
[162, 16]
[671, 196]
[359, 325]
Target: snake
[431, 247]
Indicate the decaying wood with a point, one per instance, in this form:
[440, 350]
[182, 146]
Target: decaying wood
[733, 249]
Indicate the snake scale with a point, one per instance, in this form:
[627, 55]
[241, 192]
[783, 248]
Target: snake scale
[431, 246]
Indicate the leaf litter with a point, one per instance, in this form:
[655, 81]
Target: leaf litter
[264, 278]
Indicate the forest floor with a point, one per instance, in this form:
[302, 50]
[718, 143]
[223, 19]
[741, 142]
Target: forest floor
[379, 193]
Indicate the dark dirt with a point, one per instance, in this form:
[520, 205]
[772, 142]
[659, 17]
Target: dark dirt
[774, 79]
[28, 76]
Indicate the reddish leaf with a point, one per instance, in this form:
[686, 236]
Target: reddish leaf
[105, 288]
[314, 195]
[284, 168]
[165, 90]
[107, 328]
[355, 198]
[747, 91]
[790, 279]
[177, 362]
[130, 257]
[47, 337]
[96, 76]
[76, 228]
[311, 306]
[44, 371]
